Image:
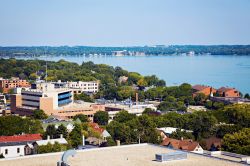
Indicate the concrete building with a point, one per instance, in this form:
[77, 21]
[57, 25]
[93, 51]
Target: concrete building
[7, 84]
[136, 109]
[125, 155]
[54, 101]
[79, 86]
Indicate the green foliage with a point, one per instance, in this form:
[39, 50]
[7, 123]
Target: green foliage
[131, 131]
[76, 136]
[50, 131]
[61, 130]
[83, 97]
[101, 117]
[247, 96]
[200, 99]
[222, 130]
[81, 117]
[11, 125]
[171, 104]
[1, 156]
[39, 114]
[238, 142]
[124, 116]
[125, 92]
[51, 148]
[214, 105]
[110, 142]
[178, 134]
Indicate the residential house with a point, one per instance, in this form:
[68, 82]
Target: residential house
[206, 90]
[104, 133]
[60, 140]
[187, 145]
[17, 145]
[228, 92]
[167, 131]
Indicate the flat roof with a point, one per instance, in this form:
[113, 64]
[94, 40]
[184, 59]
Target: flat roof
[128, 155]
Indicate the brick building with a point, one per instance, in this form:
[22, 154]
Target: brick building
[7, 84]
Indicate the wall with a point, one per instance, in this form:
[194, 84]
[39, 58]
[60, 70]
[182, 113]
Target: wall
[12, 151]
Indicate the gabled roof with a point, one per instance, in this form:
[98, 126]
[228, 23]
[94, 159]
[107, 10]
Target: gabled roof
[96, 127]
[225, 89]
[213, 140]
[20, 138]
[187, 144]
[199, 87]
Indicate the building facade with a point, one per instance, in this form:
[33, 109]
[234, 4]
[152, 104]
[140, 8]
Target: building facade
[53, 101]
[7, 84]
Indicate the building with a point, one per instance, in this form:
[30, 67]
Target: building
[187, 145]
[17, 145]
[7, 84]
[213, 143]
[103, 132]
[228, 92]
[167, 131]
[54, 101]
[79, 86]
[125, 155]
[206, 90]
[137, 109]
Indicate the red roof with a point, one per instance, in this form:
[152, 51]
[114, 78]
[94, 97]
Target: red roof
[225, 89]
[199, 87]
[187, 144]
[96, 127]
[20, 138]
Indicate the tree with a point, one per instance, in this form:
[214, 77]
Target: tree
[39, 114]
[124, 116]
[237, 142]
[50, 131]
[101, 117]
[83, 97]
[199, 99]
[81, 117]
[247, 96]
[76, 136]
[178, 134]
[61, 130]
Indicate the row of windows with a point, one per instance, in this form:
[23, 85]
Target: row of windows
[74, 111]
[27, 94]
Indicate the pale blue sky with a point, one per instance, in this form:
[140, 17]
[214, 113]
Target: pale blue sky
[124, 22]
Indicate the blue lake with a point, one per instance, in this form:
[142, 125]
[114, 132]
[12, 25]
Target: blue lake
[217, 71]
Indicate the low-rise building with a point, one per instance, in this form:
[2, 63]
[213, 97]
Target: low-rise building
[187, 145]
[228, 92]
[103, 132]
[17, 145]
[206, 90]
[7, 84]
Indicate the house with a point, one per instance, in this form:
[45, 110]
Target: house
[104, 133]
[68, 124]
[187, 145]
[60, 140]
[17, 145]
[228, 92]
[213, 144]
[206, 90]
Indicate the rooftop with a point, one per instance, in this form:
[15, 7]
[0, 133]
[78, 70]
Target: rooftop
[20, 138]
[132, 155]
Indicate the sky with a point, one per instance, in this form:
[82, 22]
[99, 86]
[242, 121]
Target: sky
[124, 22]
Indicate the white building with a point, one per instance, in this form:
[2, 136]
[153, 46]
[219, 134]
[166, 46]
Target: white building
[9, 150]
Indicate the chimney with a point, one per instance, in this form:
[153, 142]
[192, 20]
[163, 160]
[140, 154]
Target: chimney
[182, 138]
[83, 140]
[48, 137]
[61, 136]
[118, 142]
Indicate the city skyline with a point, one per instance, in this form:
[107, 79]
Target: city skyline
[124, 23]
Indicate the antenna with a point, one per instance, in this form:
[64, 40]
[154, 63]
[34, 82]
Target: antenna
[46, 75]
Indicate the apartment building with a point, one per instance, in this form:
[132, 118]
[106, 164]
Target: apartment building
[7, 84]
[228, 92]
[79, 86]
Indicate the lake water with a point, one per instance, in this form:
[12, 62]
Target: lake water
[217, 71]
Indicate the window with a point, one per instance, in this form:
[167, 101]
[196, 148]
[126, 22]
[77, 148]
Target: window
[6, 151]
[18, 150]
